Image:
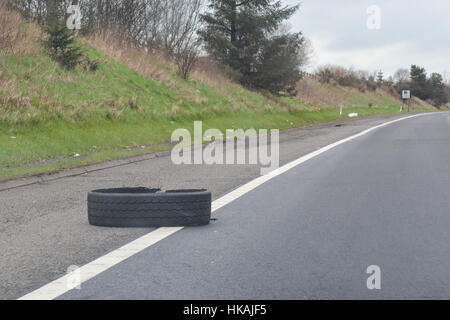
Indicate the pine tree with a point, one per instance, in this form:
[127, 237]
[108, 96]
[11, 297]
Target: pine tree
[419, 84]
[241, 35]
[380, 78]
[61, 44]
[438, 91]
[279, 66]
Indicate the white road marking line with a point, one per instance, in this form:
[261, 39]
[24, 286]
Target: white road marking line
[60, 286]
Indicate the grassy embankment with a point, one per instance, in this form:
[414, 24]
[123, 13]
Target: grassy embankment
[133, 102]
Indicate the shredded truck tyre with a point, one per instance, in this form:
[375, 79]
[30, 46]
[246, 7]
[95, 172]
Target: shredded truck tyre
[144, 208]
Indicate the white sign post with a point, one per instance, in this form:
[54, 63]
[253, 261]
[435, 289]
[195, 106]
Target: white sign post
[406, 96]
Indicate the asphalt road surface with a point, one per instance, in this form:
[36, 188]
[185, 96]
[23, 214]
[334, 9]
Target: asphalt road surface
[381, 199]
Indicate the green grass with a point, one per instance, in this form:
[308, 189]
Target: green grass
[109, 140]
[50, 113]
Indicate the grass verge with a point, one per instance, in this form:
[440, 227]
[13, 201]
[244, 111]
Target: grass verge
[43, 150]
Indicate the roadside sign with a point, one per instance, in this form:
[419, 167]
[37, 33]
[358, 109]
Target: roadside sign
[406, 94]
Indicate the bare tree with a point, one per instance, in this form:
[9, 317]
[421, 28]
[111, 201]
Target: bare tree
[402, 76]
[185, 57]
[169, 26]
[180, 21]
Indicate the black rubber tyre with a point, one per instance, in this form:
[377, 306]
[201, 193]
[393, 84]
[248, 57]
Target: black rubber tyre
[143, 208]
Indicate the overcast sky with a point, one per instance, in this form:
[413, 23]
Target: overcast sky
[411, 32]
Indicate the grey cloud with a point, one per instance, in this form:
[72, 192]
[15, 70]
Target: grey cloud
[421, 28]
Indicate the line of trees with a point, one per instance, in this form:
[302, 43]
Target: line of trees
[359, 79]
[247, 36]
[154, 24]
[429, 88]
[167, 26]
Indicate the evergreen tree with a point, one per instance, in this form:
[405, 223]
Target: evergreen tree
[61, 44]
[380, 78]
[419, 84]
[371, 84]
[438, 90]
[278, 68]
[241, 34]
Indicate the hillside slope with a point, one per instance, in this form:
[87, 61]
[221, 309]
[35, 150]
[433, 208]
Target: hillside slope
[52, 118]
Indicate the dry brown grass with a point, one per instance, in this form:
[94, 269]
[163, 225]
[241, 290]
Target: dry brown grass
[316, 93]
[209, 72]
[136, 59]
[158, 67]
[13, 37]
[18, 40]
